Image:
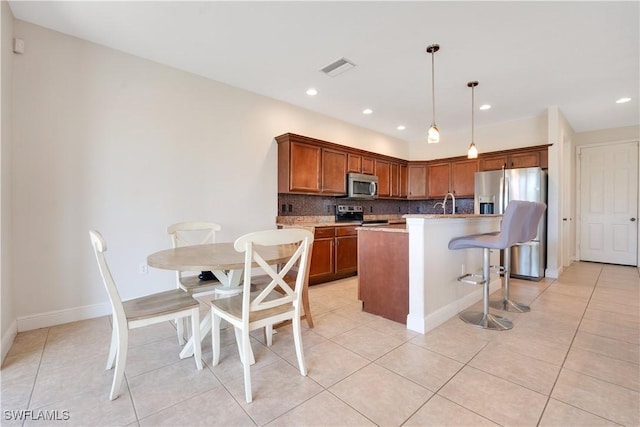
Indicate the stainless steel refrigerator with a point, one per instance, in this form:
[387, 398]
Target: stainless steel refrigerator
[493, 192]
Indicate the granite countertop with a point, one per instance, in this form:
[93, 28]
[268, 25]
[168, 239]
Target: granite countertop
[393, 228]
[448, 216]
[330, 220]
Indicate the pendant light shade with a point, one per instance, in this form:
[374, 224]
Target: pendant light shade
[433, 135]
[473, 151]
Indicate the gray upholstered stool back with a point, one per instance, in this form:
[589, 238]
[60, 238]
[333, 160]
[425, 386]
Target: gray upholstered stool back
[530, 228]
[519, 224]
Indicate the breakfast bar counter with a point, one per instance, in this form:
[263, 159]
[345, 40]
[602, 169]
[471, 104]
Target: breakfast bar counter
[435, 295]
[408, 274]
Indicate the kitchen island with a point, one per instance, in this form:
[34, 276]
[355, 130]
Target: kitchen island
[383, 271]
[434, 294]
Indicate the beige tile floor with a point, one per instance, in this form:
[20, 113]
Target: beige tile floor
[573, 360]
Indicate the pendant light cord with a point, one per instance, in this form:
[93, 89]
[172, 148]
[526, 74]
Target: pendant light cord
[473, 90]
[433, 88]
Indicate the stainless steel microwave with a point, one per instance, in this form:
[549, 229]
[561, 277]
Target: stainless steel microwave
[360, 186]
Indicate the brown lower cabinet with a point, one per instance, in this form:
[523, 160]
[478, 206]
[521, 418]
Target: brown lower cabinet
[334, 254]
[383, 273]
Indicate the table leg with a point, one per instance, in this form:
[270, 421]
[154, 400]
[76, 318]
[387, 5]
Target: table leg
[205, 328]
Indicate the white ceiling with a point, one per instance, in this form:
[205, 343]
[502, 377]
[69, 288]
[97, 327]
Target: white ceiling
[527, 56]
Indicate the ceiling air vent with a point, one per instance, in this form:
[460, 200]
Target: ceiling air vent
[338, 67]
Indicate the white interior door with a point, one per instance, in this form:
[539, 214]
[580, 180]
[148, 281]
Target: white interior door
[609, 203]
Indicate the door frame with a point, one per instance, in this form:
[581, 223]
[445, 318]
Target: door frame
[578, 172]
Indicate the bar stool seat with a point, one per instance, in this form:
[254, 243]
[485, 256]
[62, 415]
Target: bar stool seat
[513, 230]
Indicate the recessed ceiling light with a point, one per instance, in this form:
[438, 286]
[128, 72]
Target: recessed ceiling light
[367, 111]
[312, 92]
[485, 107]
[401, 127]
[623, 100]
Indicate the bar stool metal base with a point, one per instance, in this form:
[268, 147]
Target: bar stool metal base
[486, 321]
[508, 305]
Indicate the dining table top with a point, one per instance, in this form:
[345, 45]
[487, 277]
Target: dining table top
[214, 256]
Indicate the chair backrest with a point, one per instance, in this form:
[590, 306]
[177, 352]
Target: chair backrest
[192, 233]
[517, 222]
[99, 248]
[530, 228]
[251, 244]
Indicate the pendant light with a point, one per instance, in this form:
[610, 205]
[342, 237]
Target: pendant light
[433, 135]
[473, 151]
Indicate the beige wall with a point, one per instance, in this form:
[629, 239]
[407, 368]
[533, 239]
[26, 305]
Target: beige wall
[629, 133]
[7, 321]
[506, 135]
[110, 141]
[559, 191]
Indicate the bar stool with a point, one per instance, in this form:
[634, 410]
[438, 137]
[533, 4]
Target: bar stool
[511, 232]
[529, 232]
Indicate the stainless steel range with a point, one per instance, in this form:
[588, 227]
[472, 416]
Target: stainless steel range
[355, 214]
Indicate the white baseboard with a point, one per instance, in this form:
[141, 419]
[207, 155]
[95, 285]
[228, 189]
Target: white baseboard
[53, 318]
[8, 337]
[552, 273]
[438, 317]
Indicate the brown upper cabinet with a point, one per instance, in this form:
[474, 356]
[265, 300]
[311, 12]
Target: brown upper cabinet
[299, 168]
[384, 177]
[518, 158]
[334, 172]
[312, 166]
[309, 168]
[463, 177]
[392, 178]
[360, 164]
[417, 181]
[455, 177]
[404, 182]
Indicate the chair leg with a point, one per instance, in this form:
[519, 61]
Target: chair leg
[215, 338]
[305, 306]
[113, 349]
[246, 365]
[297, 340]
[195, 333]
[485, 319]
[238, 335]
[121, 360]
[268, 335]
[505, 304]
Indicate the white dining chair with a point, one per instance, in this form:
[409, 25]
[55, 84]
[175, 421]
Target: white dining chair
[267, 306]
[186, 234]
[139, 312]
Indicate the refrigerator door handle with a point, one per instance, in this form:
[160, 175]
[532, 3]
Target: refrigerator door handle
[507, 189]
[501, 203]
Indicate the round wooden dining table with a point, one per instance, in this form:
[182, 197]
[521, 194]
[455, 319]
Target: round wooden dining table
[213, 256]
[223, 260]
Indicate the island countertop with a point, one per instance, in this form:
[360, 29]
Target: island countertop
[450, 216]
[393, 228]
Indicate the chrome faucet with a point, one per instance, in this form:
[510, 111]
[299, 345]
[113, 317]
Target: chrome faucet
[453, 201]
[444, 204]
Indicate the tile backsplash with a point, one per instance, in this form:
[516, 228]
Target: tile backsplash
[299, 204]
